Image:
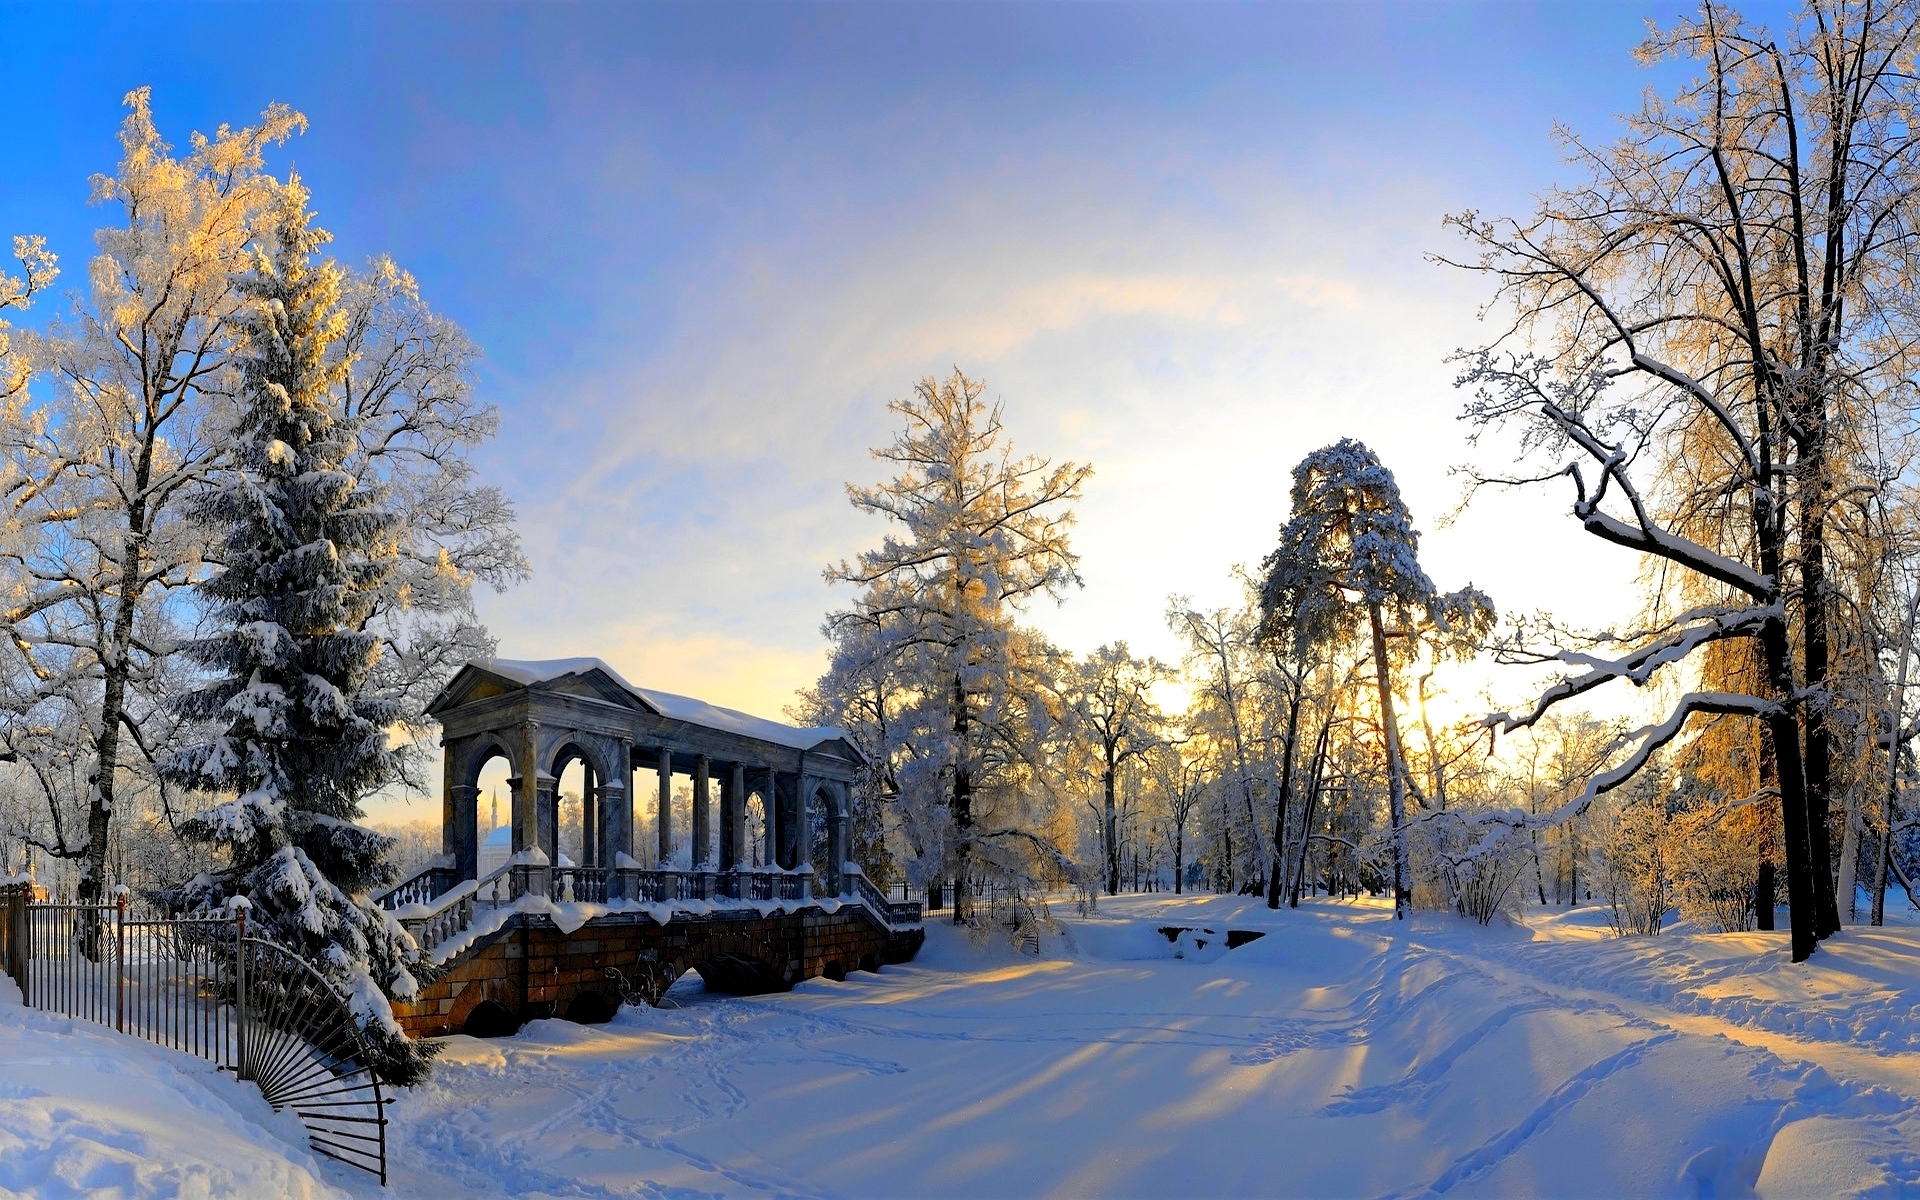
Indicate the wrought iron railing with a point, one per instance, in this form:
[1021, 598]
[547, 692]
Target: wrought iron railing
[200, 985]
[893, 912]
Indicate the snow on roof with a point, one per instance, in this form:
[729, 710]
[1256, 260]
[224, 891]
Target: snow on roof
[502, 835]
[679, 708]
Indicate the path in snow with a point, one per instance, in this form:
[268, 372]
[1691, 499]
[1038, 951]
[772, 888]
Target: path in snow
[1340, 1055]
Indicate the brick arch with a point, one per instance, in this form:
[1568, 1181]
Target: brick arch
[738, 963]
[536, 971]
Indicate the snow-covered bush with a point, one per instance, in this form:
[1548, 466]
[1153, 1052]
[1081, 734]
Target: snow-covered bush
[1473, 866]
[1715, 865]
[1639, 889]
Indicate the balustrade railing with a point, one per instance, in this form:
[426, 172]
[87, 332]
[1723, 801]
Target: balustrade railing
[422, 887]
[452, 911]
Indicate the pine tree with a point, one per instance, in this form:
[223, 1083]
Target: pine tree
[1350, 547]
[303, 548]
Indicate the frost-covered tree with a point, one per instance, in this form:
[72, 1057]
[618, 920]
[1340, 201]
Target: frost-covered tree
[1113, 713]
[306, 551]
[974, 534]
[1705, 326]
[1349, 552]
[407, 391]
[101, 471]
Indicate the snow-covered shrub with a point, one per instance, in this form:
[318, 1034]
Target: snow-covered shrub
[1715, 865]
[1471, 865]
[1639, 889]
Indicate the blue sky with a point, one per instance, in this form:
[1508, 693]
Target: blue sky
[703, 246]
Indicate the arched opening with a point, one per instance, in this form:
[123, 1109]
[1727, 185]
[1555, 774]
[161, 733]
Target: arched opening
[569, 797]
[754, 853]
[819, 830]
[577, 819]
[491, 1019]
[493, 797]
[591, 1008]
[738, 975]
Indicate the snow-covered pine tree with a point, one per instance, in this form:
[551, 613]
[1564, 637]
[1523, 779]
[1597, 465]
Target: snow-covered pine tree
[303, 548]
[1350, 548]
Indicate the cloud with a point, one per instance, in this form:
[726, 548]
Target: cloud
[1193, 357]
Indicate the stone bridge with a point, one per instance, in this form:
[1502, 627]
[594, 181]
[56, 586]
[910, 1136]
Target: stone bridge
[756, 892]
[530, 967]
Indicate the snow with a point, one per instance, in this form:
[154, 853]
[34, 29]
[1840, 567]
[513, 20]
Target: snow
[678, 708]
[1341, 1054]
[86, 1111]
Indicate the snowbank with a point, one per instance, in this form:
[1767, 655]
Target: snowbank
[86, 1111]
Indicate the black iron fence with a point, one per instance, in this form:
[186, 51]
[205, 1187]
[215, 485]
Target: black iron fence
[203, 986]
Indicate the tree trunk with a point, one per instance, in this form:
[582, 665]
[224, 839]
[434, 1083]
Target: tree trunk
[1784, 733]
[1817, 767]
[1110, 831]
[1306, 818]
[1846, 888]
[1276, 878]
[962, 807]
[1896, 713]
[1396, 785]
[1763, 887]
[1314, 782]
[113, 702]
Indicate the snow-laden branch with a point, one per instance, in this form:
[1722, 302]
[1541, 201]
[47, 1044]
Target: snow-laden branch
[1651, 739]
[1707, 625]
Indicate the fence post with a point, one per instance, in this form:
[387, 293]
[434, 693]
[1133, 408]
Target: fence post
[120, 958]
[16, 919]
[26, 944]
[242, 1068]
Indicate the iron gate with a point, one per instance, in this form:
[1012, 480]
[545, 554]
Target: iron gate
[202, 985]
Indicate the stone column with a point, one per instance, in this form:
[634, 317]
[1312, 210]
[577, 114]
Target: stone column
[837, 828]
[464, 833]
[776, 821]
[587, 823]
[803, 822]
[733, 818]
[663, 822]
[616, 811]
[547, 794]
[459, 818]
[702, 825]
[525, 789]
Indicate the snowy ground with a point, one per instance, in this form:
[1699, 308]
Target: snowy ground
[1339, 1055]
[88, 1112]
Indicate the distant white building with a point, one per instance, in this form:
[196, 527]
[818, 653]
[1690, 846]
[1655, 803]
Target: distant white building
[496, 850]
